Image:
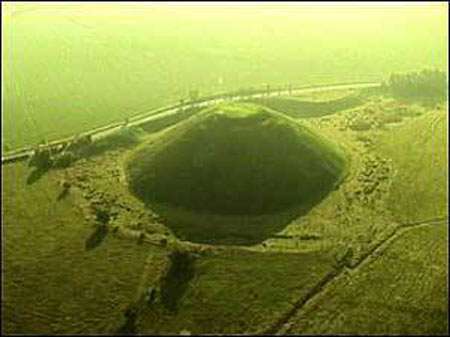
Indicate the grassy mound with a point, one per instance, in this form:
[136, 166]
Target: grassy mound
[235, 160]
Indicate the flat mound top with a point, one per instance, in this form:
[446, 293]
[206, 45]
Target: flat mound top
[240, 110]
[237, 115]
[235, 159]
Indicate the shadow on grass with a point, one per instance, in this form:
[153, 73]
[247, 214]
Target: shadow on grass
[129, 327]
[164, 122]
[64, 193]
[35, 175]
[295, 107]
[175, 282]
[129, 137]
[123, 139]
[96, 238]
[173, 286]
[218, 229]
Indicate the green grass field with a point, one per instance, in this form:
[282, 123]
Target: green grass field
[239, 292]
[51, 283]
[70, 68]
[234, 290]
[401, 291]
[419, 150]
[182, 225]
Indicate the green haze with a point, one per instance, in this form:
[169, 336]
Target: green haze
[69, 67]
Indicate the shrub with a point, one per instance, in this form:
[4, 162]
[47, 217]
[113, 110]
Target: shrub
[65, 159]
[41, 159]
[360, 125]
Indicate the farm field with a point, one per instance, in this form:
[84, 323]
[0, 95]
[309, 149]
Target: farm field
[50, 278]
[387, 294]
[70, 68]
[319, 212]
[319, 241]
[418, 191]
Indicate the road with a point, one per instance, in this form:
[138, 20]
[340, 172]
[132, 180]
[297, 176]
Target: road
[163, 112]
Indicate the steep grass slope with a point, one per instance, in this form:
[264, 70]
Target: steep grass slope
[236, 159]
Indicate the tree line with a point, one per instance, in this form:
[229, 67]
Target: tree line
[427, 83]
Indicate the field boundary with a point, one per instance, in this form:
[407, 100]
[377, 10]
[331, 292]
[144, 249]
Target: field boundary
[336, 272]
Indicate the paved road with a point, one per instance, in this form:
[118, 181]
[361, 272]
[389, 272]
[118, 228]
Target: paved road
[146, 117]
